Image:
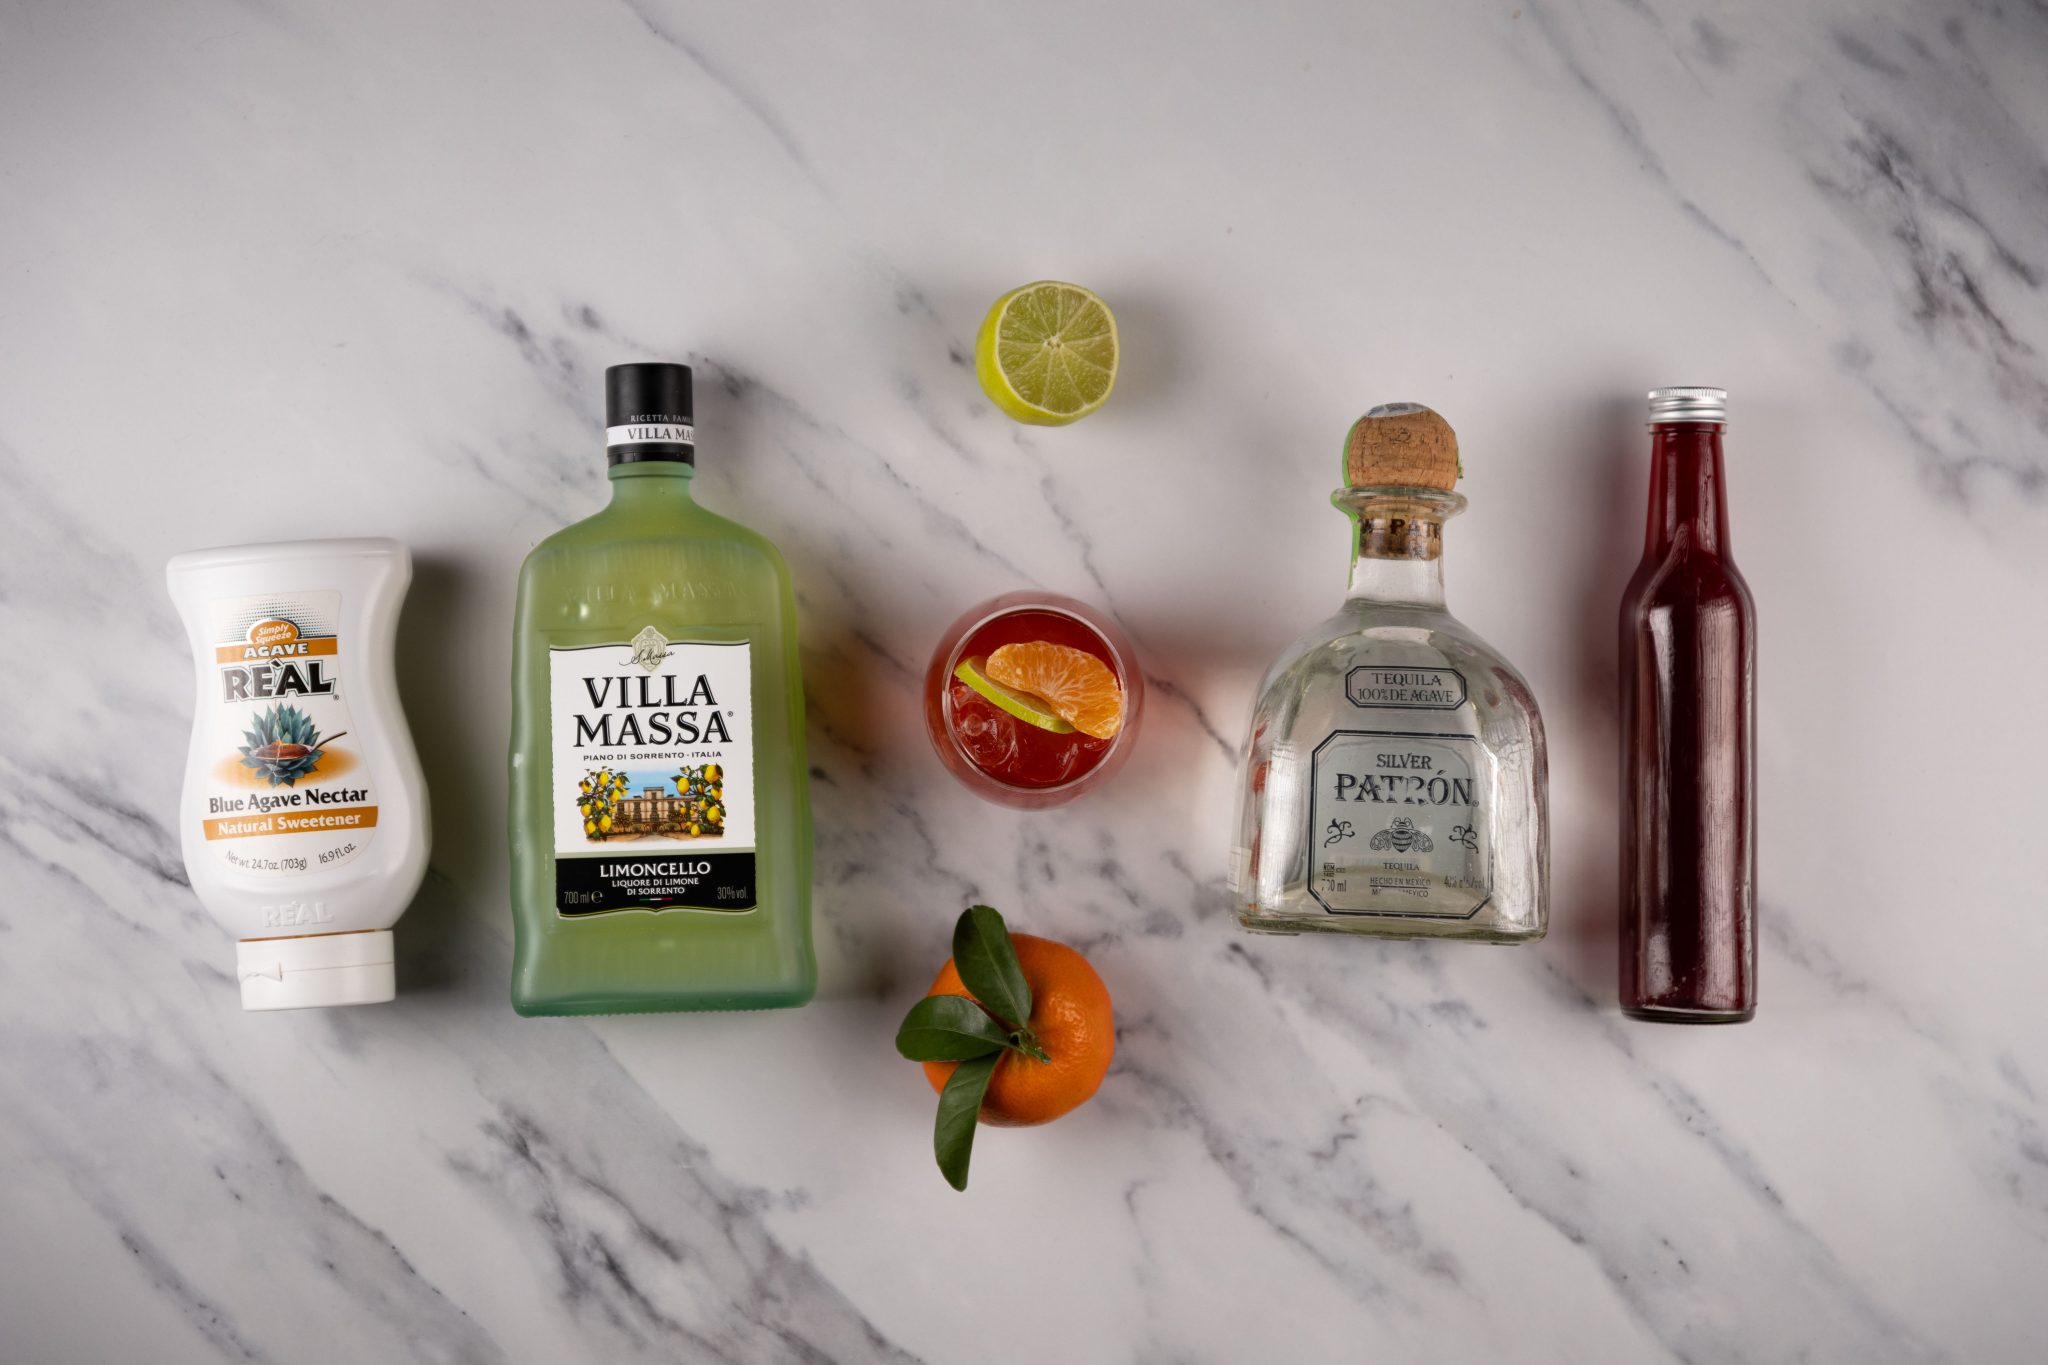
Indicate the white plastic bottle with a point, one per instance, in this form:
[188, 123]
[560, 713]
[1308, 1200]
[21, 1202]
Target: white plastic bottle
[304, 815]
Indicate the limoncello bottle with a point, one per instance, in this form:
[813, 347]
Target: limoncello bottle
[660, 823]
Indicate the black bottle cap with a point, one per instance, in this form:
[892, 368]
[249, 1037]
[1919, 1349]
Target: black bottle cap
[647, 413]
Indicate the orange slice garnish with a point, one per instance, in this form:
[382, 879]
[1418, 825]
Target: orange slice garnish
[1078, 687]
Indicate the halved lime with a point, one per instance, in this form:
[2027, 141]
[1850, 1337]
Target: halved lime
[1047, 353]
[1022, 705]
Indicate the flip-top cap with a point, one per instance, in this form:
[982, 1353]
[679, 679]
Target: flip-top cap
[321, 969]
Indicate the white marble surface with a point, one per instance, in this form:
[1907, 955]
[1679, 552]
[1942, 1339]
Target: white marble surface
[283, 268]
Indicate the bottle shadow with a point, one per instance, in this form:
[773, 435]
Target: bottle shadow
[1610, 473]
[870, 771]
[435, 937]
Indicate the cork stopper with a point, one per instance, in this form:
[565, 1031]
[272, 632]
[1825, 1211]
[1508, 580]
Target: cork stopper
[1403, 445]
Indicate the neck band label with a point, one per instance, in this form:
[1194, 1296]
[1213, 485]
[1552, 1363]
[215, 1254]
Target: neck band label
[651, 433]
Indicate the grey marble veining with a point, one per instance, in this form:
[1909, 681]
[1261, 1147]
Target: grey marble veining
[295, 268]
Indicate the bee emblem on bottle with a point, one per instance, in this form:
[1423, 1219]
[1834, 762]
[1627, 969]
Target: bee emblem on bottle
[1402, 837]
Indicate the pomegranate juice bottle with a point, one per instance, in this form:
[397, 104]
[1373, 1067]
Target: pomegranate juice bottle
[1688, 707]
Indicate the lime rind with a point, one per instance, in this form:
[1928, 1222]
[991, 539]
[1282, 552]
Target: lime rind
[1023, 706]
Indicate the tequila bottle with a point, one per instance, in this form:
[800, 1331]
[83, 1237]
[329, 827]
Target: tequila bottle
[1393, 780]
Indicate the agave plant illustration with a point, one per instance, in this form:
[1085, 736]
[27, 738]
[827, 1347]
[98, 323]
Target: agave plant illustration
[285, 746]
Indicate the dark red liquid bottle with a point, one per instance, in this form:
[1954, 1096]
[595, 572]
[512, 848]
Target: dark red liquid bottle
[1688, 735]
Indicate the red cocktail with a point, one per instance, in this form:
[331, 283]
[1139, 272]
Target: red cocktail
[1032, 698]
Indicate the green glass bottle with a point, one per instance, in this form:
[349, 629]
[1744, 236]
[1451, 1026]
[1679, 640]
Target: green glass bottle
[661, 825]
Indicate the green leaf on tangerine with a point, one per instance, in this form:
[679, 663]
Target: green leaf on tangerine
[948, 1028]
[959, 1107]
[988, 965]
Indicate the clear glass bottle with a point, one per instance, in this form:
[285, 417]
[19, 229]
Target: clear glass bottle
[660, 813]
[1393, 782]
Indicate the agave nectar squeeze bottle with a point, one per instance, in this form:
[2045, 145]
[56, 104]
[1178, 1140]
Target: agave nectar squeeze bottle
[660, 822]
[304, 816]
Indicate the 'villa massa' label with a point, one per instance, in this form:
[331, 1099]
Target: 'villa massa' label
[1396, 826]
[660, 433]
[653, 786]
[287, 791]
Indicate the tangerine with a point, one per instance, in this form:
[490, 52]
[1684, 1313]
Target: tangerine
[1081, 689]
[1070, 1013]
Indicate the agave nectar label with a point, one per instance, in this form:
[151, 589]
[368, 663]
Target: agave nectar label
[1397, 826]
[288, 791]
[653, 789]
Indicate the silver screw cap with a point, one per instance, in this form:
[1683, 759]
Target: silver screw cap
[1688, 404]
